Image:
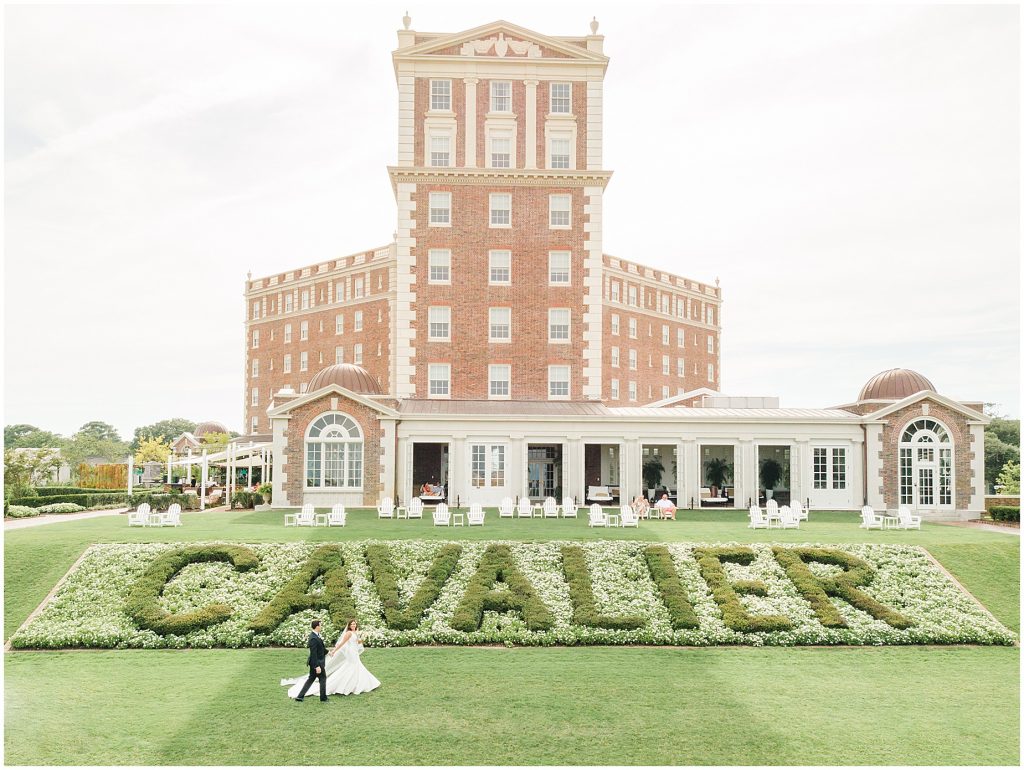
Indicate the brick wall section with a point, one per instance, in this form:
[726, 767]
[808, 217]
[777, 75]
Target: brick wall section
[369, 422]
[963, 451]
[469, 295]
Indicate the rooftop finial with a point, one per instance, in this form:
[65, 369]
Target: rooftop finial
[593, 26]
[407, 20]
[716, 281]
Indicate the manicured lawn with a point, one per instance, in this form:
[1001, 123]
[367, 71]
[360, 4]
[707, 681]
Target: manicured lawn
[920, 705]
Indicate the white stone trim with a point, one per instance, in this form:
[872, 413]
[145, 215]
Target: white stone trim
[404, 384]
[595, 117]
[592, 297]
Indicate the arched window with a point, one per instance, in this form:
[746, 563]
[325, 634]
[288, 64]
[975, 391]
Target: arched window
[926, 465]
[334, 452]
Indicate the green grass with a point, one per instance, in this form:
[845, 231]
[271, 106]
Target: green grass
[922, 705]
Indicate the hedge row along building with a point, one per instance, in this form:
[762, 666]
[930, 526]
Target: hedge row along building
[494, 349]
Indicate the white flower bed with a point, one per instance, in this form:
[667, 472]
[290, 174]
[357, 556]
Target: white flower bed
[89, 610]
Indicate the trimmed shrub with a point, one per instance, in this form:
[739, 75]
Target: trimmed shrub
[382, 574]
[816, 590]
[1005, 513]
[246, 499]
[21, 511]
[663, 573]
[336, 597]
[86, 500]
[497, 566]
[61, 508]
[50, 491]
[735, 616]
[143, 604]
[161, 501]
[581, 594]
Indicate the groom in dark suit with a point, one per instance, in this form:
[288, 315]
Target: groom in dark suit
[317, 663]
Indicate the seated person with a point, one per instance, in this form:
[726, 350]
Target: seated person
[666, 507]
[641, 507]
[430, 489]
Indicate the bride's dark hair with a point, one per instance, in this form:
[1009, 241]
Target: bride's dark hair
[348, 626]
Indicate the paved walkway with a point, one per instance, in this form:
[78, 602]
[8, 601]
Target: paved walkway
[985, 526]
[56, 518]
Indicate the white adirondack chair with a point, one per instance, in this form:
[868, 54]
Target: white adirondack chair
[337, 516]
[568, 508]
[140, 516]
[628, 517]
[550, 508]
[786, 518]
[442, 518]
[415, 508]
[596, 517]
[306, 517]
[869, 519]
[799, 511]
[171, 517]
[386, 509]
[906, 520]
[757, 519]
[475, 515]
[507, 509]
[771, 508]
[525, 508]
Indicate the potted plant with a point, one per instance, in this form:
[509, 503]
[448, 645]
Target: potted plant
[771, 473]
[717, 471]
[652, 470]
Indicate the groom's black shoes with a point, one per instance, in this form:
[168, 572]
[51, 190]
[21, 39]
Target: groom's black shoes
[324, 700]
[297, 700]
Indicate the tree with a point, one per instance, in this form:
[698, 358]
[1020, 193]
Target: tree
[166, 430]
[95, 440]
[24, 468]
[1008, 481]
[101, 431]
[997, 454]
[214, 442]
[22, 435]
[1007, 430]
[151, 449]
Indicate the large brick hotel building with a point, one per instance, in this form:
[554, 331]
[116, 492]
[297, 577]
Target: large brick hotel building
[495, 349]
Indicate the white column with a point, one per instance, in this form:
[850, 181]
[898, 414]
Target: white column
[516, 470]
[856, 466]
[131, 473]
[458, 469]
[745, 473]
[531, 123]
[387, 464]
[470, 119]
[632, 482]
[689, 461]
[572, 484]
[402, 471]
[188, 471]
[170, 459]
[202, 493]
[873, 467]
[977, 480]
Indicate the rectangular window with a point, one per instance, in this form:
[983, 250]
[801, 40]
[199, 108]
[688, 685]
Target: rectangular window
[339, 290]
[558, 267]
[255, 338]
[664, 303]
[664, 334]
[440, 261]
[255, 367]
[499, 378]
[680, 367]
[615, 390]
[501, 209]
[632, 328]
[632, 295]
[440, 151]
[559, 153]
[478, 465]
[357, 354]
[304, 330]
[711, 372]
[287, 363]
[501, 96]
[440, 94]
[559, 211]
[711, 344]
[616, 291]
[500, 267]
[255, 397]
[255, 423]
[255, 310]
[440, 380]
[497, 465]
[558, 324]
[339, 355]
[357, 287]
[289, 302]
[632, 360]
[681, 338]
[500, 324]
[632, 390]
[665, 366]
[615, 324]
[339, 324]
[839, 468]
[561, 98]
[357, 321]
[440, 209]
[558, 382]
[615, 358]
[303, 361]
[304, 300]
[440, 319]
[287, 332]
[664, 391]
[501, 152]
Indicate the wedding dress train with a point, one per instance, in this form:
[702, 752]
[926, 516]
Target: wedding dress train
[346, 674]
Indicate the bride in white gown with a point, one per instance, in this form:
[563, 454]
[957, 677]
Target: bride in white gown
[346, 674]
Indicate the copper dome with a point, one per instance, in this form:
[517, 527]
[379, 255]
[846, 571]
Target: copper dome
[348, 376]
[209, 427]
[894, 384]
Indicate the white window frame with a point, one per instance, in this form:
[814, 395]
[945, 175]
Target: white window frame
[665, 334]
[440, 150]
[438, 369]
[287, 333]
[562, 100]
[254, 398]
[559, 274]
[339, 323]
[559, 317]
[286, 366]
[505, 141]
[439, 319]
[559, 212]
[304, 361]
[495, 322]
[497, 374]
[255, 339]
[615, 324]
[339, 354]
[357, 354]
[303, 331]
[255, 367]
[564, 158]
[711, 344]
[496, 221]
[632, 360]
[496, 99]
[632, 390]
[615, 389]
[304, 300]
[666, 366]
[439, 263]
[632, 329]
[615, 357]
[552, 382]
[440, 98]
[491, 267]
[357, 321]
[440, 209]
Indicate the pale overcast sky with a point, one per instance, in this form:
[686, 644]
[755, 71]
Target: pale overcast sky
[849, 173]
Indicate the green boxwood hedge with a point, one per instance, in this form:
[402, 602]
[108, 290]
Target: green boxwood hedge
[51, 491]
[86, 500]
[382, 574]
[143, 604]
[161, 501]
[581, 594]
[663, 572]
[497, 566]
[734, 615]
[1005, 513]
[246, 499]
[21, 512]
